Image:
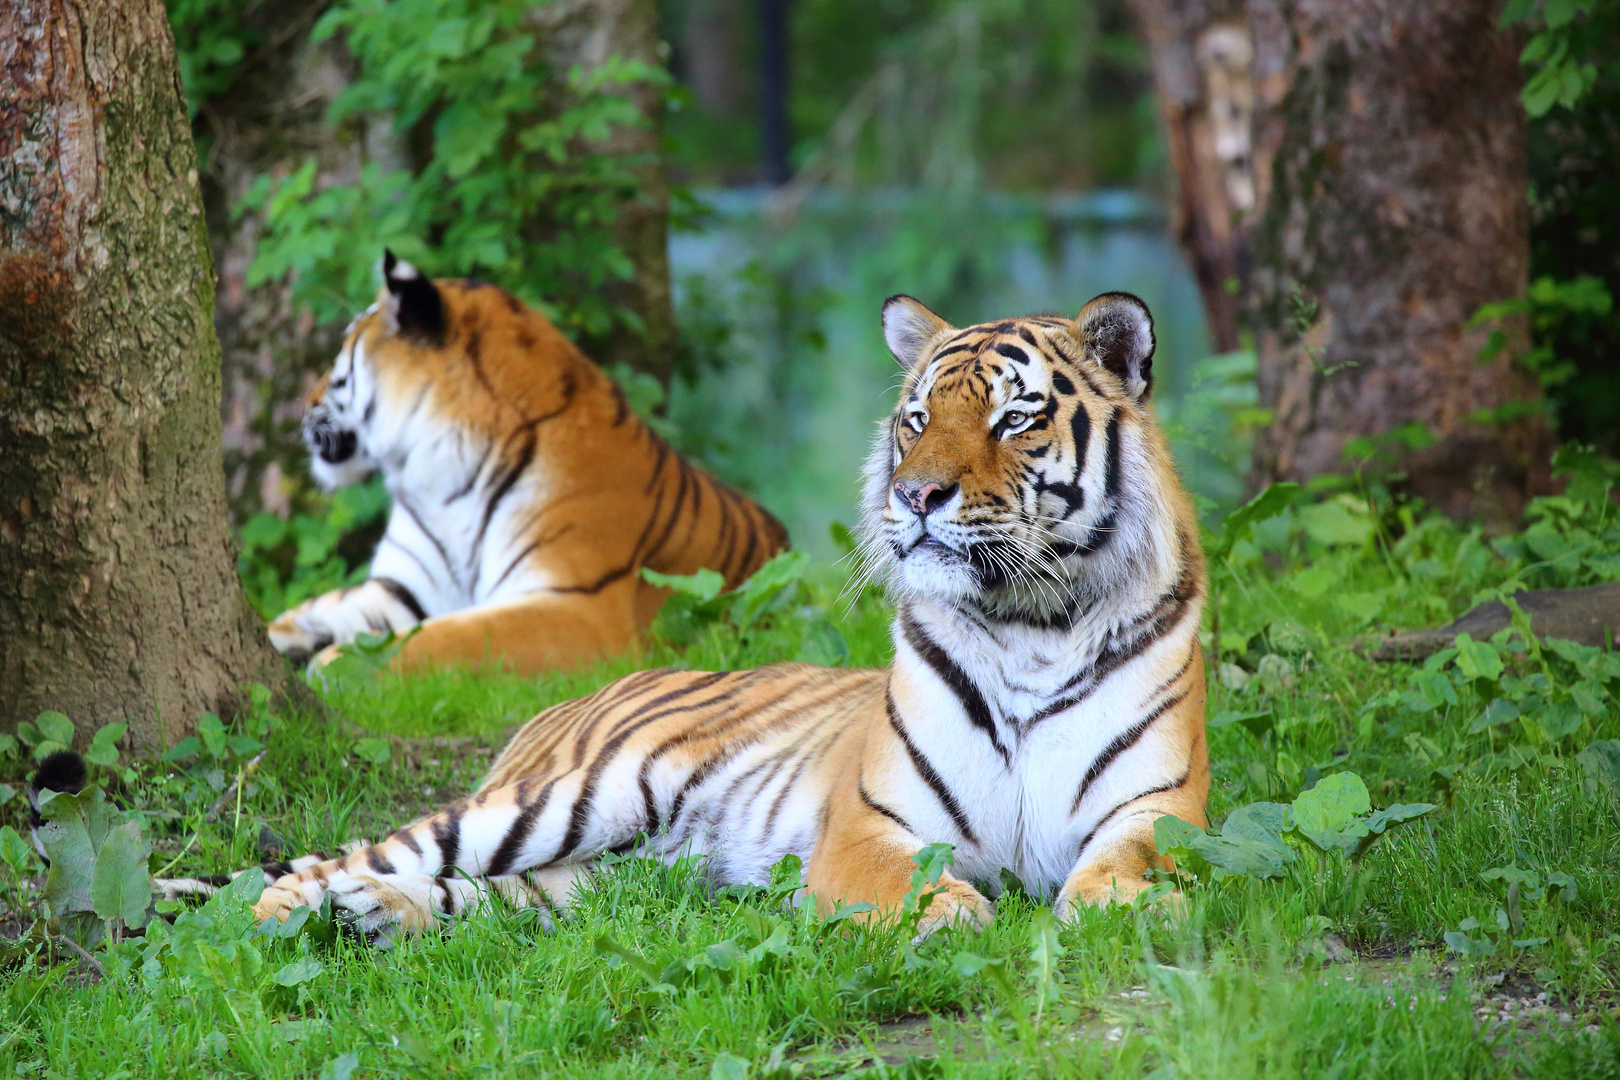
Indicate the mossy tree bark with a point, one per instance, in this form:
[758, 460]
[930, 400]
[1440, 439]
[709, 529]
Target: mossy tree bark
[1352, 188]
[118, 593]
[1200, 55]
[1390, 158]
[588, 33]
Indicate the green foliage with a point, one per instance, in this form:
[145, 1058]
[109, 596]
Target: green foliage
[1331, 817]
[697, 607]
[98, 875]
[212, 38]
[1572, 94]
[508, 188]
[284, 561]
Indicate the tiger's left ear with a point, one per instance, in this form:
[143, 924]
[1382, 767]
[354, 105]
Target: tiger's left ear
[1118, 334]
[418, 308]
[908, 327]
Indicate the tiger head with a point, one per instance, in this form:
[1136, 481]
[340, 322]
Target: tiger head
[1022, 469]
[340, 411]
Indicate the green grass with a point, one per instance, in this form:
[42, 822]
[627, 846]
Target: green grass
[1330, 970]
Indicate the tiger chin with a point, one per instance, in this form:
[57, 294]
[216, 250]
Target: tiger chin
[1045, 704]
[527, 497]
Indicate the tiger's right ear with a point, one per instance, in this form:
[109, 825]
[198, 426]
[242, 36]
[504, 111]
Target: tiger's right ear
[908, 327]
[417, 307]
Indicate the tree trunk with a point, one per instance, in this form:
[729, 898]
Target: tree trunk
[1200, 54]
[588, 33]
[1390, 150]
[118, 593]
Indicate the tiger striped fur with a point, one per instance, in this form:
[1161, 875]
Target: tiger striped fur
[1044, 707]
[526, 494]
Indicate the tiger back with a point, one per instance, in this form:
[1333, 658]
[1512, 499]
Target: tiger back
[1045, 704]
[526, 495]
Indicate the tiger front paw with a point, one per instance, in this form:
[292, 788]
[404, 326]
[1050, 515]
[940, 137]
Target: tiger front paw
[959, 905]
[293, 891]
[297, 636]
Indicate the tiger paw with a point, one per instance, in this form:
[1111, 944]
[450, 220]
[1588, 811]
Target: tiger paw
[278, 900]
[292, 635]
[960, 905]
[1099, 891]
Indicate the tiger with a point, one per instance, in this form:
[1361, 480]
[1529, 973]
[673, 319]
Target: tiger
[1044, 705]
[526, 494]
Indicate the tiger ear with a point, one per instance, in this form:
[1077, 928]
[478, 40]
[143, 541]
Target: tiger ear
[418, 309]
[1118, 334]
[908, 327]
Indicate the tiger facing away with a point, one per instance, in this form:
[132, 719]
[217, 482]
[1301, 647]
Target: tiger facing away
[526, 495]
[1045, 704]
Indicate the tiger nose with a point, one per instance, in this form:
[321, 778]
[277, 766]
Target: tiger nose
[923, 499]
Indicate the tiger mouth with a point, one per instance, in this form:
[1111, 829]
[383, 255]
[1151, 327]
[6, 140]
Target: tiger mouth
[333, 445]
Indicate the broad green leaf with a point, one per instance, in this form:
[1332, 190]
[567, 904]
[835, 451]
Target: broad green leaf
[8, 746]
[1241, 856]
[1478, 659]
[16, 852]
[1239, 524]
[704, 585]
[186, 747]
[1364, 606]
[341, 1067]
[1562, 886]
[1262, 822]
[7, 793]
[1560, 719]
[1510, 874]
[373, 750]
[728, 1067]
[1256, 723]
[1333, 803]
[1342, 521]
[1499, 711]
[1600, 761]
[55, 726]
[120, 887]
[299, 971]
[103, 750]
[1384, 820]
[1170, 833]
[212, 734]
[75, 828]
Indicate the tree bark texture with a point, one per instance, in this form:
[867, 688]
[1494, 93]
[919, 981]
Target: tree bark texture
[1390, 153]
[118, 592]
[1351, 179]
[588, 33]
[1200, 54]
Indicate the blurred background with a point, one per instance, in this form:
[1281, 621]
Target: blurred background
[714, 197]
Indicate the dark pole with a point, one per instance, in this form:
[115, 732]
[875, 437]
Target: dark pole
[775, 138]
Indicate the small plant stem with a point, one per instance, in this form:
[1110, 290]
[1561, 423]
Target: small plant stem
[235, 790]
[89, 961]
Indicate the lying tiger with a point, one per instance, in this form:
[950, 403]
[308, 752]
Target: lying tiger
[526, 495]
[1044, 707]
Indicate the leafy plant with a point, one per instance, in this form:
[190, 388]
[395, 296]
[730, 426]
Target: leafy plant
[1505, 931]
[697, 605]
[513, 184]
[1334, 817]
[97, 883]
[284, 561]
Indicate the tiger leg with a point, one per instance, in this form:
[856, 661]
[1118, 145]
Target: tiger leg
[435, 866]
[538, 632]
[336, 618]
[864, 854]
[388, 905]
[1113, 865]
